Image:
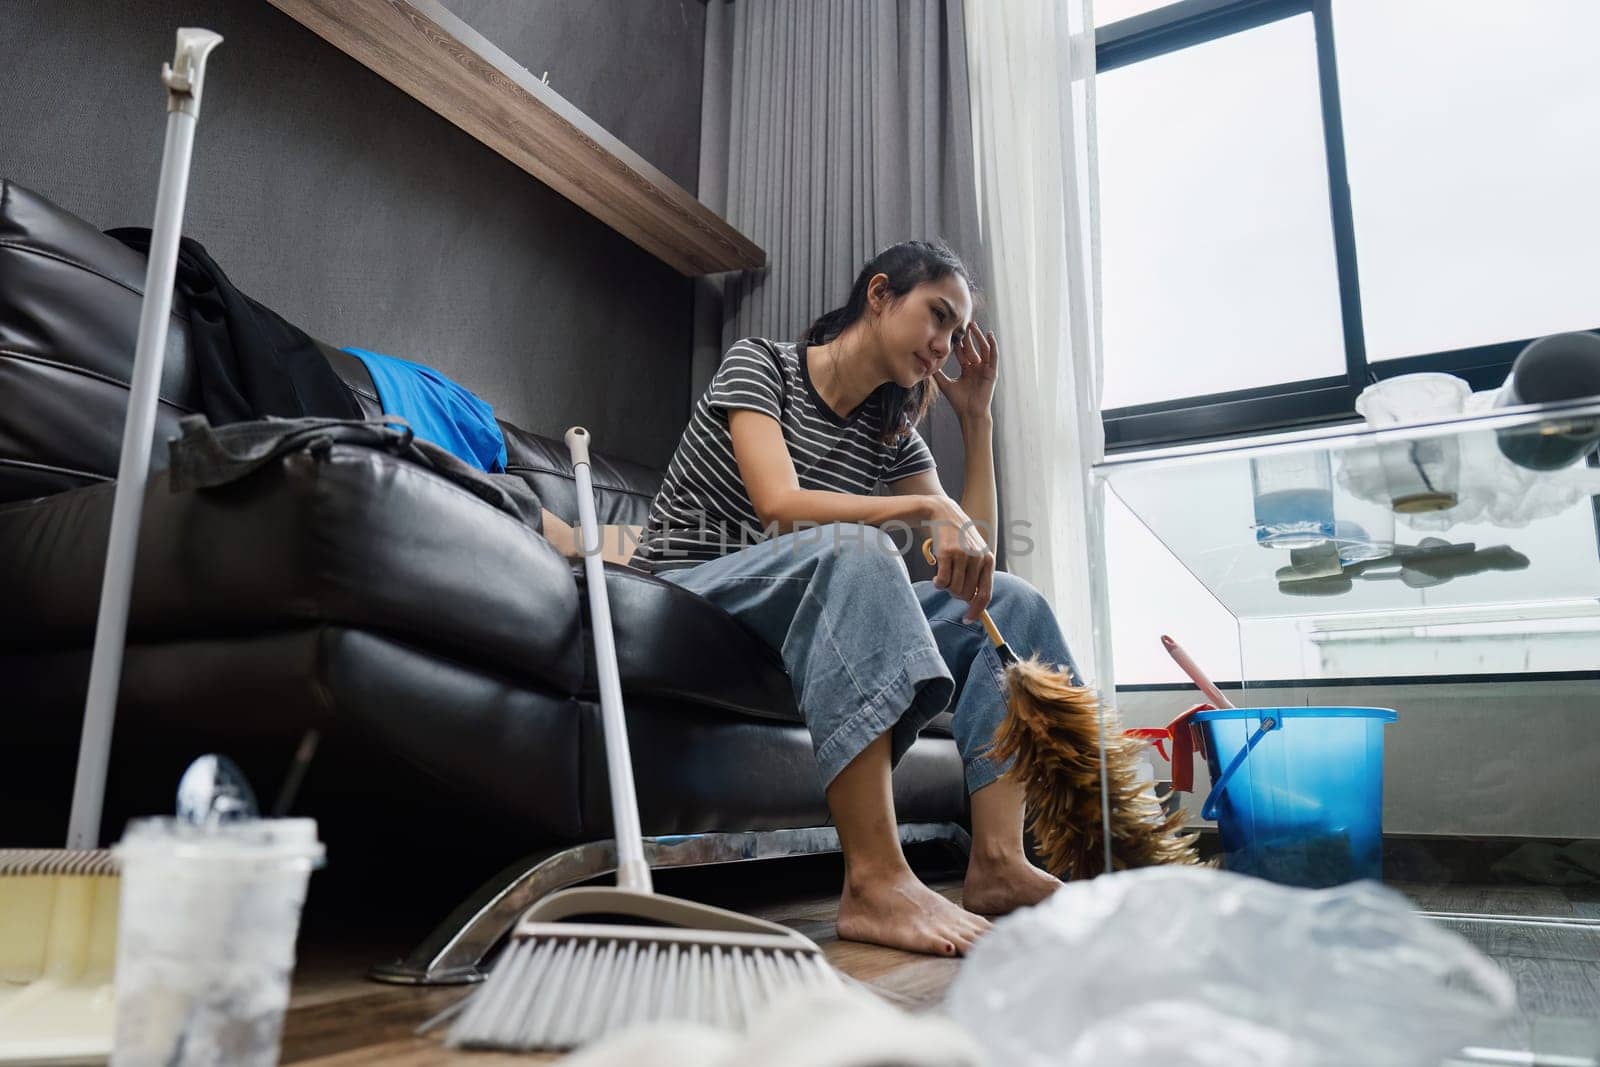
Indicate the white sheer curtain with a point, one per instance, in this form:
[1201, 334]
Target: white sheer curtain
[1030, 68]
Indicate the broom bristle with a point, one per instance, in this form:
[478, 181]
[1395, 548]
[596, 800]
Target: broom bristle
[559, 993]
[1052, 730]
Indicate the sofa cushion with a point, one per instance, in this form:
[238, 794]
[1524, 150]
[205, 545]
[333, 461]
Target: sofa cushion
[348, 535]
[622, 490]
[69, 315]
[402, 728]
[675, 643]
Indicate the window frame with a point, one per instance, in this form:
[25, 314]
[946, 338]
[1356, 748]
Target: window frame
[1285, 405]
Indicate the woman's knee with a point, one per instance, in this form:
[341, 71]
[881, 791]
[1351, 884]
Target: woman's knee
[1016, 594]
[1028, 620]
[858, 545]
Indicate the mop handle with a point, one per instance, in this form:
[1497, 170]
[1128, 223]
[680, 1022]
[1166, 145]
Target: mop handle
[632, 870]
[1187, 664]
[988, 623]
[182, 78]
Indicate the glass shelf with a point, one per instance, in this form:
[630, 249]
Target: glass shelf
[1343, 552]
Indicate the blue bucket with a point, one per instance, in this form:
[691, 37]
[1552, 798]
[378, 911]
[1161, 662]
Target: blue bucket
[1297, 793]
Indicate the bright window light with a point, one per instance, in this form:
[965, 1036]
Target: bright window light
[1217, 260]
[1474, 168]
[1153, 594]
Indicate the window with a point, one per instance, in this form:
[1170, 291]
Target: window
[1299, 197]
[1476, 205]
[1220, 276]
[1152, 594]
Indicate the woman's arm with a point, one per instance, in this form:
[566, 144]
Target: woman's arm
[616, 542]
[970, 397]
[768, 474]
[978, 493]
[968, 570]
[965, 562]
[966, 566]
[978, 498]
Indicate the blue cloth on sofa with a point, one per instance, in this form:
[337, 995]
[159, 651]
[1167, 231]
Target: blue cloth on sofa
[439, 410]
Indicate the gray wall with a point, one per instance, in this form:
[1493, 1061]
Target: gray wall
[360, 215]
[1492, 759]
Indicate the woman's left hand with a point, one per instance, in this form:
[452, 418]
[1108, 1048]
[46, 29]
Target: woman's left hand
[970, 394]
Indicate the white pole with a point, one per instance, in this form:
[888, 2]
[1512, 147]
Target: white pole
[182, 80]
[632, 871]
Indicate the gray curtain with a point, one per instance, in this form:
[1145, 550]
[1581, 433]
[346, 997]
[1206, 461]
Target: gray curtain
[829, 129]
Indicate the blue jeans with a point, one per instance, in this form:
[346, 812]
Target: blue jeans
[870, 651]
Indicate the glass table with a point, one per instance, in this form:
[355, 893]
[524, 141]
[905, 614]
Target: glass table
[1449, 571]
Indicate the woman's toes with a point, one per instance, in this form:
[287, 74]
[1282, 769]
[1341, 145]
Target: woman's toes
[904, 913]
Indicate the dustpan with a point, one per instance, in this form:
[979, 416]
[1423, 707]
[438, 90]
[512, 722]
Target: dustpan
[58, 906]
[640, 957]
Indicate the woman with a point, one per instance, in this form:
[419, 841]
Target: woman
[767, 510]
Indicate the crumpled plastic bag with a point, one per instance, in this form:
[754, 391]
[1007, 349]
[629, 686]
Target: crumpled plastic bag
[1193, 967]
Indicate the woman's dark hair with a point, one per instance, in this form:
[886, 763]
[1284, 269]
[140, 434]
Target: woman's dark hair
[907, 265]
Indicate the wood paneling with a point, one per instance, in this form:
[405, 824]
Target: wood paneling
[432, 55]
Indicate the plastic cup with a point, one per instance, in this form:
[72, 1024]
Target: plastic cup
[1293, 499]
[206, 937]
[1423, 473]
[1412, 398]
[1362, 529]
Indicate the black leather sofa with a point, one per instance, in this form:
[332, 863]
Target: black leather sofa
[439, 646]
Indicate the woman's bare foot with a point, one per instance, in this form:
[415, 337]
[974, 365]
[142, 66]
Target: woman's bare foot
[897, 910]
[1001, 885]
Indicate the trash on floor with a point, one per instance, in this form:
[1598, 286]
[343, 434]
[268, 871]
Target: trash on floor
[1177, 966]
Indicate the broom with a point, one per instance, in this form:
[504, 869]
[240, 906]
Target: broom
[1052, 730]
[641, 957]
[58, 907]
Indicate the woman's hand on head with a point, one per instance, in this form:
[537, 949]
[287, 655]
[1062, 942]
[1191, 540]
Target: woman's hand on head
[969, 396]
[966, 565]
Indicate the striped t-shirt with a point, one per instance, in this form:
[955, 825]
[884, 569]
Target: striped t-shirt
[702, 510]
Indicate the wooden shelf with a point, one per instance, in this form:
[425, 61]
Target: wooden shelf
[433, 56]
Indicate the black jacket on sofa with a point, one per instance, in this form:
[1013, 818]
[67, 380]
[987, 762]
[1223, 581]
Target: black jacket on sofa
[439, 644]
[248, 360]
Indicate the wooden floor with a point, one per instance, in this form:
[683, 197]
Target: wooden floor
[1552, 954]
[337, 1017]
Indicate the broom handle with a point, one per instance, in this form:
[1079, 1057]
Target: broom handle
[988, 624]
[632, 871]
[182, 80]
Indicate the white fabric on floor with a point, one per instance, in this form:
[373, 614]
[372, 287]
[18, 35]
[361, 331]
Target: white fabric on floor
[847, 1028]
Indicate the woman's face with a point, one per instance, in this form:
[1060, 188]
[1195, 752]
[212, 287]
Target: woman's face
[919, 331]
